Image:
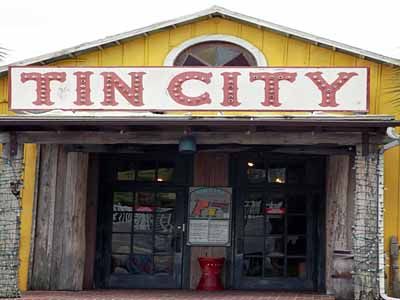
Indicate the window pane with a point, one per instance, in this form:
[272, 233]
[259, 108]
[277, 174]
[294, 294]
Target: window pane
[297, 225]
[122, 221]
[274, 224]
[254, 217]
[165, 220]
[163, 265]
[165, 172]
[146, 202]
[252, 266]
[143, 221]
[125, 171]
[121, 243]
[166, 200]
[254, 246]
[146, 171]
[276, 175]
[163, 243]
[274, 267]
[255, 172]
[140, 264]
[123, 201]
[275, 203]
[119, 264]
[143, 243]
[296, 245]
[274, 246]
[296, 267]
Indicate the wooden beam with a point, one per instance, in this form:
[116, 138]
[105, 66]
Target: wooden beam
[212, 138]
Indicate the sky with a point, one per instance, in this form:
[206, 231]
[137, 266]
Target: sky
[31, 28]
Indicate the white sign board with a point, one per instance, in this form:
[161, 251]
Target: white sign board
[188, 89]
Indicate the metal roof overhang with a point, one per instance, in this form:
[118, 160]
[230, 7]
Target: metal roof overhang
[361, 123]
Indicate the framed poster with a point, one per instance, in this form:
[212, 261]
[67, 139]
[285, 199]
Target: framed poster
[209, 216]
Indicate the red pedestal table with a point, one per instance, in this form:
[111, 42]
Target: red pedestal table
[211, 268]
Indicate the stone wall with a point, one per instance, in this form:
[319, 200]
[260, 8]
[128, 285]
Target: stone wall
[10, 208]
[365, 228]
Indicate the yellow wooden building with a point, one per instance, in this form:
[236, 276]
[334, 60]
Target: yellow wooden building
[159, 45]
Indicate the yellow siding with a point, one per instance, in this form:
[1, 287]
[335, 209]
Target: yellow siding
[26, 214]
[279, 50]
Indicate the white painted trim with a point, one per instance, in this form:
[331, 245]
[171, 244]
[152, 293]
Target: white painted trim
[258, 55]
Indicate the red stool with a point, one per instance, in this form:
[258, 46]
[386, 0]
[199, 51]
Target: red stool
[211, 268]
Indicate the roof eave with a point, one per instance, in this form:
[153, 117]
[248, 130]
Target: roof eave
[65, 53]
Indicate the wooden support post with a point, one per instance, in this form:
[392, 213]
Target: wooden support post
[59, 253]
[394, 266]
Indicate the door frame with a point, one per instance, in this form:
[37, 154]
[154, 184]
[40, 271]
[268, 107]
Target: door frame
[104, 219]
[237, 175]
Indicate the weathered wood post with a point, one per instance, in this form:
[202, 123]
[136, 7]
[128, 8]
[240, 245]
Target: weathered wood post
[11, 167]
[365, 226]
[394, 266]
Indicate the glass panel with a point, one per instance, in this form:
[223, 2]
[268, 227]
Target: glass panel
[296, 267]
[140, 264]
[125, 172]
[276, 175]
[274, 246]
[165, 172]
[254, 246]
[296, 245]
[119, 264]
[296, 203]
[163, 265]
[275, 203]
[163, 243]
[297, 224]
[122, 221]
[274, 224]
[252, 266]
[253, 218]
[121, 243]
[142, 243]
[143, 222]
[296, 174]
[146, 171]
[167, 200]
[146, 201]
[274, 267]
[165, 220]
[122, 201]
[255, 172]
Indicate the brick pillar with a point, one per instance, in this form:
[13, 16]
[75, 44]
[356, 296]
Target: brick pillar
[11, 167]
[365, 228]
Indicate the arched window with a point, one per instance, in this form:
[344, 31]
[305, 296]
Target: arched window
[215, 53]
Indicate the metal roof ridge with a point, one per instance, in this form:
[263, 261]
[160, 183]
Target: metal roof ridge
[192, 17]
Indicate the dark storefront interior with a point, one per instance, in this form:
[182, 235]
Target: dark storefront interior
[278, 211]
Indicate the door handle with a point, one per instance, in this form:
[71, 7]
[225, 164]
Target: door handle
[180, 229]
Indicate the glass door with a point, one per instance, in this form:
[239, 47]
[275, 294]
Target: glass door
[276, 225]
[143, 217]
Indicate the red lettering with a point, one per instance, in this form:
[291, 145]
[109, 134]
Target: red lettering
[43, 85]
[271, 88]
[134, 93]
[175, 88]
[83, 88]
[329, 90]
[230, 89]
